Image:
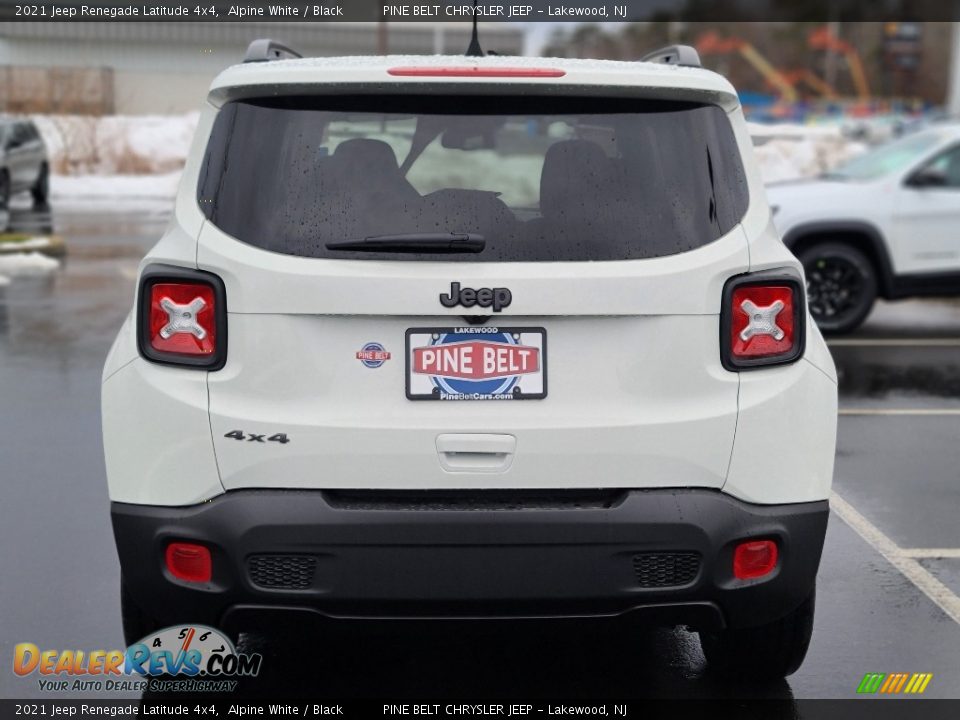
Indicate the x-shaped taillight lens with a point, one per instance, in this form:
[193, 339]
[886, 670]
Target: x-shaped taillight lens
[183, 318]
[763, 322]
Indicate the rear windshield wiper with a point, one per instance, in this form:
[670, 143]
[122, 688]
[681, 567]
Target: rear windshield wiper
[415, 242]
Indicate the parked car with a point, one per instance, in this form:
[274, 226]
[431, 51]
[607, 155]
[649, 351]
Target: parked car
[882, 225]
[473, 337]
[23, 162]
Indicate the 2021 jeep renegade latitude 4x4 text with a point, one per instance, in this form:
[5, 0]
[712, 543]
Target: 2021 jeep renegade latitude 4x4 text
[473, 337]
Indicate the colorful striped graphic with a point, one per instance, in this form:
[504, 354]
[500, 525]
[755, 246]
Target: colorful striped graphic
[894, 683]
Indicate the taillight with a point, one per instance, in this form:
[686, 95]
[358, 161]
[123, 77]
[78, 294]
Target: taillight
[762, 320]
[182, 318]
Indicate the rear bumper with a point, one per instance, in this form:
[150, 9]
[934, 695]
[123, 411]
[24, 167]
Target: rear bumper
[664, 555]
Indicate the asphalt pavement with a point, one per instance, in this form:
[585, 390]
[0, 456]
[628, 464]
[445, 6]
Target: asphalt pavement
[887, 591]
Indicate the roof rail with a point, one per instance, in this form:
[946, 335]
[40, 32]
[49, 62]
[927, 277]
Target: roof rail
[683, 55]
[265, 49]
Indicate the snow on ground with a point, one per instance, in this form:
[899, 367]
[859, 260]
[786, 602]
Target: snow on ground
[92, 187]
[117, 144]
[789, 151]
[151, 194]
[137, 160]
[25, 265]
[99, 161]
[32, 263]
[34, 243]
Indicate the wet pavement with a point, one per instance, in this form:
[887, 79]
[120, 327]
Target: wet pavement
[898, 466]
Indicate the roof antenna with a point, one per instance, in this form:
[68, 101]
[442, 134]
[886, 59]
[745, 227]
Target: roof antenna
[474, 50]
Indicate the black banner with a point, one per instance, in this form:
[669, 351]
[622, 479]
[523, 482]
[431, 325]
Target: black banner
[219, 707]
[486, 11]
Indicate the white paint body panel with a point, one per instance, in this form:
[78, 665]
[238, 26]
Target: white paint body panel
[637, 396]
[788, 415]
[156, 436]
[631, 403]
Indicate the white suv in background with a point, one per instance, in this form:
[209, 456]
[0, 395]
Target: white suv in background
[883, 225]
[472, 337]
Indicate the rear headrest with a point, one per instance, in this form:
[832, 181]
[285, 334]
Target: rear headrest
[572, 169]
[368, 169]
[368, 154]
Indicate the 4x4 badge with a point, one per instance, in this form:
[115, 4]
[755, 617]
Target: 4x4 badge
[498, 298]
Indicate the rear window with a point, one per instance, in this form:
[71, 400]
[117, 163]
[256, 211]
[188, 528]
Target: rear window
[525, 178]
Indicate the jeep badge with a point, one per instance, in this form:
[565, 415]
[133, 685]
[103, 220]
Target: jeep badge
[499, 298]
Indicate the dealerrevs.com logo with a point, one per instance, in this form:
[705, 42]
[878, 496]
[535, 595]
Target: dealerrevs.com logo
[182, 658]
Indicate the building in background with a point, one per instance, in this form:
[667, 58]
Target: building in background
[163, 68]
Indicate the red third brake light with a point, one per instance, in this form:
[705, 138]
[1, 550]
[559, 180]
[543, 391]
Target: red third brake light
[474, 71]
[754, 559]
[183, 318]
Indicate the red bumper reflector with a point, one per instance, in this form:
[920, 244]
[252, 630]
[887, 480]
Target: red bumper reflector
[471, 71]
[754, 559]
[189, 562]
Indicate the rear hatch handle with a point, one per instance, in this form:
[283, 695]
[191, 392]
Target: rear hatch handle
[479, 452]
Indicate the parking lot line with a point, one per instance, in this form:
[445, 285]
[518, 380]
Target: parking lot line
[894, 342]
[932, 553]
[939, 593]
[898, 411]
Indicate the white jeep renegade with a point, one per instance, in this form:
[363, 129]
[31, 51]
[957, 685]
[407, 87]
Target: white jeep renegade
[447, 337]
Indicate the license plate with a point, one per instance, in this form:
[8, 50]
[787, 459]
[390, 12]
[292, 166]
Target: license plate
[476, 363]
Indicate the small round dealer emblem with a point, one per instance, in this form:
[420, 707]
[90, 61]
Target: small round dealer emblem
[373, 355]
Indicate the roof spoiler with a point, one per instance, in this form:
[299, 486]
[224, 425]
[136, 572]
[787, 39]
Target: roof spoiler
[264, 50]
[683, 55]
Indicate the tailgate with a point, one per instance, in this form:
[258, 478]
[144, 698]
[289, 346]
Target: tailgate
[635, 396]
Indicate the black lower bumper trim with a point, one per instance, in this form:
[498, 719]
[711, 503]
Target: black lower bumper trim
[665, 555]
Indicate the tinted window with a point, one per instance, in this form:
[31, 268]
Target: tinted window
[948, 165]
[889, 158]
[538, 179]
